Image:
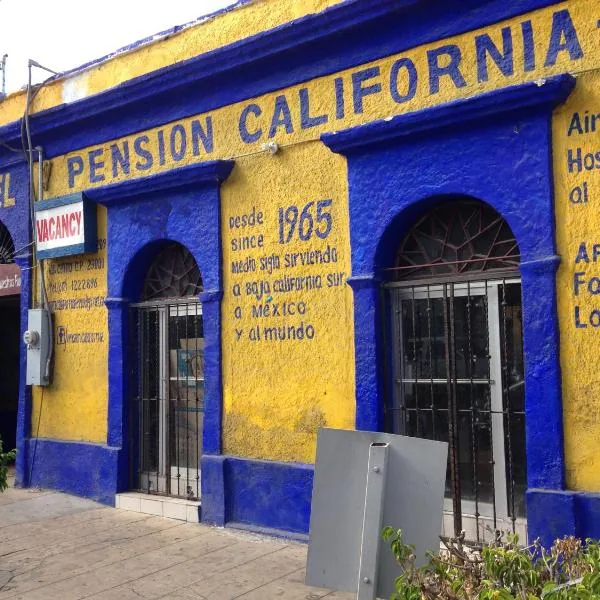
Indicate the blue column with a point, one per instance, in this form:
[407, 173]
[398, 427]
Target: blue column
[544, 418]
[551, 510]
[24, 410]
[212, 464]
[367, 346]
[211, 318]
[118, 386]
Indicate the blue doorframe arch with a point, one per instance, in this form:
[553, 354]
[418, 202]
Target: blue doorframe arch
[497, 148]
[182, 205]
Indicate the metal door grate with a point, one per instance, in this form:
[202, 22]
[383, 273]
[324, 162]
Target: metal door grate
[168, 407]
[457, 371]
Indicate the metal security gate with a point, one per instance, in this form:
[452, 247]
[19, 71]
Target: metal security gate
[167, 408]
[454, 333]
[169, 404]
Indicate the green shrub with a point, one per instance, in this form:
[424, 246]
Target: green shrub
[6, 458]
[499, 571]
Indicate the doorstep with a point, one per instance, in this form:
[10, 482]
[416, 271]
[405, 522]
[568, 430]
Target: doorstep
[160, 506]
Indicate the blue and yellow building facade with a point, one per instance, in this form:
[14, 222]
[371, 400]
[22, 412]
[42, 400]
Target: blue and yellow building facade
[289, 145]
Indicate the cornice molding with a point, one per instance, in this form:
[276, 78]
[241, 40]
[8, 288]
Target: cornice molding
[212, 172]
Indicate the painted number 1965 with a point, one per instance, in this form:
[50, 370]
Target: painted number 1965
[314, 218]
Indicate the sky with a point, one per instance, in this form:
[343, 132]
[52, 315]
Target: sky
[63, 34]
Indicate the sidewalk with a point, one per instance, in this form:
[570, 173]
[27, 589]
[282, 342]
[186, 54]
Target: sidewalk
[59, 547]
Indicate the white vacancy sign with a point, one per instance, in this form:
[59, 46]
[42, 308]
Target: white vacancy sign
[65, 226]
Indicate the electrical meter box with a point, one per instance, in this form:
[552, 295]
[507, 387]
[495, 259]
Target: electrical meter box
[37, 340]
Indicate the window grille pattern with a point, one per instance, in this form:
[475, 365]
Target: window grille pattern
[173, 274]
[7, 247]
[457, 238]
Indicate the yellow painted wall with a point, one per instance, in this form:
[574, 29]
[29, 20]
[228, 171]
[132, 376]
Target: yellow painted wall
[578, 286]
[276, 394]
[75, 406]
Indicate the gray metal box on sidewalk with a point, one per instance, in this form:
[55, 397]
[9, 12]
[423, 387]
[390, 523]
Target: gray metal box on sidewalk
[413, 495]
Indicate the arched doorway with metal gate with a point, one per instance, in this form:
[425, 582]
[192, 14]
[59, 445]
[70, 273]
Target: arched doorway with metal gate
[10, 306]
[494, 147]
[168, 391]
[455, 350]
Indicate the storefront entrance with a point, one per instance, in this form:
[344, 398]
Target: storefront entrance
[168, 408]
[457, 361]
[9, 368]
[10, 319]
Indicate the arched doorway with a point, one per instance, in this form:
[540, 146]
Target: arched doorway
[168, 407]
[10, 302]
[454, 338]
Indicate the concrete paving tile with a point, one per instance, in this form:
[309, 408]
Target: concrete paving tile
[114, 552]
[47, 506]
[72, 552]
[85, 539]
[74, 560]
[94, 582]
[116, 593]
[36, 526]
[189, 593]
[19, 494]
[290, 587]
[239, 580]
[193, 571]
[118, 573]
[74, 530]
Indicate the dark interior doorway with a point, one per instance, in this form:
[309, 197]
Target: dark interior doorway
[9, 369]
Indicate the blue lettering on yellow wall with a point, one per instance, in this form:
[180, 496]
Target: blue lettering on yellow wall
[503, 60]
[281, 116]
[359, 91]
[340, 109]
[306, 120]
[178, 142]
[450, 68]
[96, 164]
[120, 159]
[528, 46]
[408, 66]
[140, 147]
[181, 140]
[563, 38]
[443, 70]
[247, 135]
[161, 147]
[202, 136]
